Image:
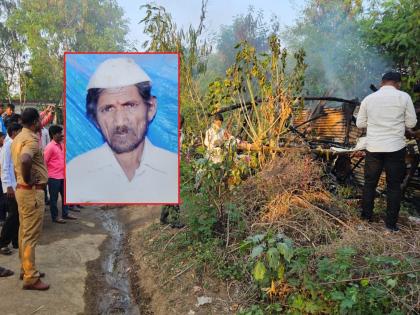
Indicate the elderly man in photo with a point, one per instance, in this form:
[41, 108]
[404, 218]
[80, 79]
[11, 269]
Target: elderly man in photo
[386, 114]
[127, 168]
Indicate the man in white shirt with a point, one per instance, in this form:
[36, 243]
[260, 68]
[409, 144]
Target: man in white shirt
[127, 168]
[386, 114]
[215, 138]
[45, 138]
[9, 232]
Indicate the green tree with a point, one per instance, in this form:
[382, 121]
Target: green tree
[339, 60]
[50, 28]
[193, 50]
[251, 28]
[3, 88]
[394, 28]
[12, 53]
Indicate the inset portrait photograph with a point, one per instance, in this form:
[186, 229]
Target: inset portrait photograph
[121, 128]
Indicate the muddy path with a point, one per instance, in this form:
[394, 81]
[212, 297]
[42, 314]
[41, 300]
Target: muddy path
[85, 264]
[99, 265]
[108, 289]
[63, 253]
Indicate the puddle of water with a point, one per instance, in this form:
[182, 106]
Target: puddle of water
[116, 297]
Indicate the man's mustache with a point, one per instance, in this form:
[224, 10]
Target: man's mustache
[122, 130]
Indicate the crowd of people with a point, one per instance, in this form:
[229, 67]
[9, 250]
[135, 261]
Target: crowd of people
[32, 167]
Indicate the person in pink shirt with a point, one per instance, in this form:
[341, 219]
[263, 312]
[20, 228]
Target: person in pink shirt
[54, 159]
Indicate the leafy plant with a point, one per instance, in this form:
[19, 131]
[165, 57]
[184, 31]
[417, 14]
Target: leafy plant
[268, 257]
[267, 93]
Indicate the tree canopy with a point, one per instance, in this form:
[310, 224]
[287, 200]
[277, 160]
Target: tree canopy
[349, 45]
[46, 29]
[394, 28]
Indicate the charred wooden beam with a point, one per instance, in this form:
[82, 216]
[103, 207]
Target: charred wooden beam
[331, 99]
[306, 98]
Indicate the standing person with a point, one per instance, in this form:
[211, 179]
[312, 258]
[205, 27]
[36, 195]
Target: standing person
[2, 126]
[9, 114]
[54, 159]
[175, 209]
[2, 201]
[385, 113]
[215, 139]
[9, 232]
[31, 178]
[46, 116]
[45, 139]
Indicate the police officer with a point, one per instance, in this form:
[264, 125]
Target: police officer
[31, 178]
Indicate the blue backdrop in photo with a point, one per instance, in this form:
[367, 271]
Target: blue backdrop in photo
[81, 134]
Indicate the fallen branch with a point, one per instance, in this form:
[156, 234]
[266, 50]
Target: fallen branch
[327, 213]
[399, 301]
[178, 274]
[371, 278]
[38, 309]
[297, 230]
[173, 236]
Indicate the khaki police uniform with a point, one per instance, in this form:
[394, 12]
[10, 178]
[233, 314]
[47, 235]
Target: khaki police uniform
[30, 200]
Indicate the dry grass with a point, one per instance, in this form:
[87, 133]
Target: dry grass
[289, 195]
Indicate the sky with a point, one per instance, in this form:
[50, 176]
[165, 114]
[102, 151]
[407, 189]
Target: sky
[219, 12]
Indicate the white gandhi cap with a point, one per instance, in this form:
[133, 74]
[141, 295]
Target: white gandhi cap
[117, 72]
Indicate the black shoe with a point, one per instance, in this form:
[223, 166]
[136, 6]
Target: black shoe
[6, 251]
[393, 228]
[177, 225]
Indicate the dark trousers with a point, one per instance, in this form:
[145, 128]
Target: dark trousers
[3, 207]
[394, 165]
[167, 210]
[55, 187]
[10, 231]
[46, 195]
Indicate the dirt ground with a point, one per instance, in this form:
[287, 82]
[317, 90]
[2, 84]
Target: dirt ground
[72, 254]
[63, 254]
[179, 293]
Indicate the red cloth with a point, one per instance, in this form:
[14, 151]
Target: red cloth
[54, 159]
[46, 118]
